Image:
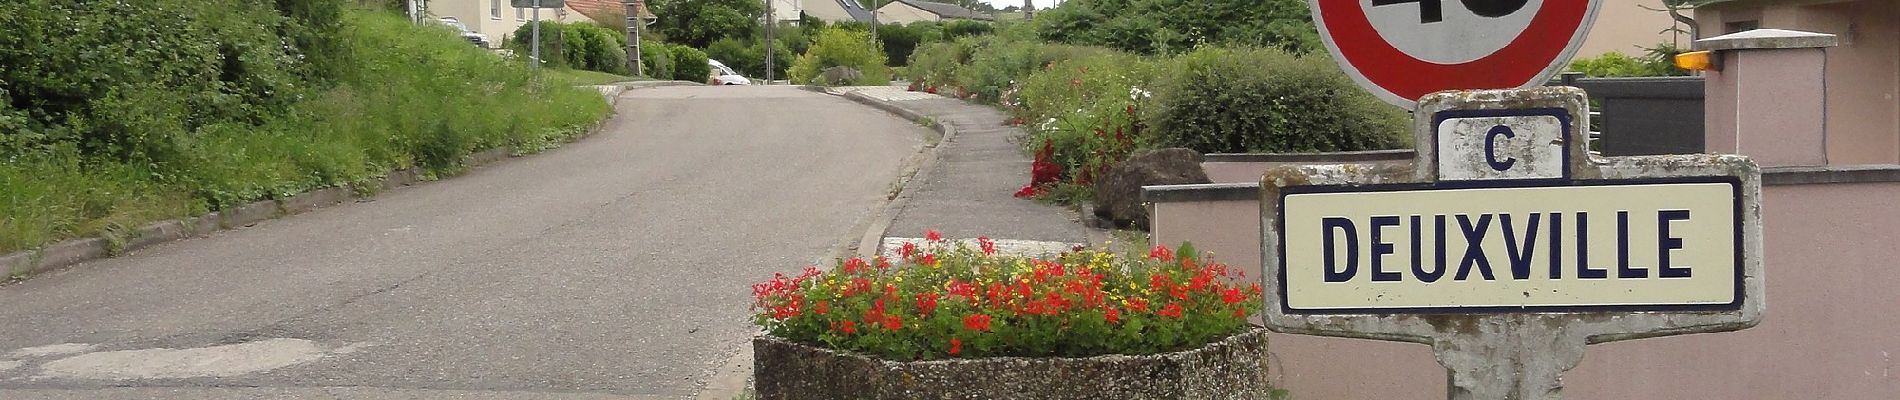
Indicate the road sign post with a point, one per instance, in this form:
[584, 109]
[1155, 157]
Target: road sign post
[1507, 247]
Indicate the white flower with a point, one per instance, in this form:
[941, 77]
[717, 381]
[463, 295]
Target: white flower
[1135, 93]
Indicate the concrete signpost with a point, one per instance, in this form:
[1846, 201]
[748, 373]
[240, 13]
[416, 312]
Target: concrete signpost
[1504, 244]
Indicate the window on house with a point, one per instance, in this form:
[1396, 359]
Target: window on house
[494, 9]
[521, 14]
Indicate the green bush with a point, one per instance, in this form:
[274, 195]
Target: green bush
[1238, 100]
[1088, 111]
[689, 64]
[1175, 26]
[748, 57]
[836, 47]
[936, 64]
[578, 45]
[199, 105]
[657, 58]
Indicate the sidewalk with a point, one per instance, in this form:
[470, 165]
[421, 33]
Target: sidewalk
[966, 191]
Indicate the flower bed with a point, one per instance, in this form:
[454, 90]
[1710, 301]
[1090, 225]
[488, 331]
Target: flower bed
[940, 300]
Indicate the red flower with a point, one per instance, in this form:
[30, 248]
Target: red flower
[883, 263]
[853, 265]
[929, 259]
[1028, 191]
[1160, 282]
[1172, 310]
[823, 307]
[1232, 296]
[977, 322]
[1131, 109]
[1138, 304]
[962, 289]
[989, 246]
[1161, 253]
[908, 250]
[956, 346]
[926, 302]
[1111, 315]
[1240, 313]
[930, 89]
[893, 322]
[848, 327]
[933, 235]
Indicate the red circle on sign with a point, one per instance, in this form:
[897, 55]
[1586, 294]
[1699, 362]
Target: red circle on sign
[1526, 60]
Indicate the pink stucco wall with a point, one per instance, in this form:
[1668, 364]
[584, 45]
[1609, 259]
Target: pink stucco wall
[1863, 85]
[1830, 332]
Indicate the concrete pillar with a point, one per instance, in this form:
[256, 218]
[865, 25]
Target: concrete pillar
[1767, 98]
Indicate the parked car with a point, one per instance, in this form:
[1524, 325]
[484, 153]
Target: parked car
[472, 37]
[721, 75]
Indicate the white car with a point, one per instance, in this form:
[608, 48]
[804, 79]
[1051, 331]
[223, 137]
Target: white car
[721, 75]
[477, 39]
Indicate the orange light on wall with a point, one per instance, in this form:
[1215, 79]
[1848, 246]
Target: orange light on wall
[1698, 61]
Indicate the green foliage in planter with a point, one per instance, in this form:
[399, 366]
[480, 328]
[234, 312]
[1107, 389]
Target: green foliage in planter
[835, 47]
[1655, 61]
[944, 300]
[689, 64]
[1239, 100]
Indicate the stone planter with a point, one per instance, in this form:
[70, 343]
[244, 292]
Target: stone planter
[1233, 368]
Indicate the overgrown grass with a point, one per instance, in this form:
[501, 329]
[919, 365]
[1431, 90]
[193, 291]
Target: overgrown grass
[580, 77]
[405, 97]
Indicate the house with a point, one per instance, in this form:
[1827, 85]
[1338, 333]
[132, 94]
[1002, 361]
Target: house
[602, 10]
[497, 19]
[837, 10]
[1862, 73]
[908, 11]
[1630, 26]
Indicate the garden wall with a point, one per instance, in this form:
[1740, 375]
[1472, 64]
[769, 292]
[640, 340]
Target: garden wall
[1828, 332]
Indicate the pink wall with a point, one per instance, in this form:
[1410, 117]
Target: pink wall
[1863, 84]
[1830, 332]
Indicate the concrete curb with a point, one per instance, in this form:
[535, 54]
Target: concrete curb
[869, 245]
[74, 251]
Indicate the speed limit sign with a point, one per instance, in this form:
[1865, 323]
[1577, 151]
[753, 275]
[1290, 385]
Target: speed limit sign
[1404, 49]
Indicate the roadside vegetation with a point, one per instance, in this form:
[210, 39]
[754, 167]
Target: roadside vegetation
[121, 113]
[1658, 60]
[1087, 108]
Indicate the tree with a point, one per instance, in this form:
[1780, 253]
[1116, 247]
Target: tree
[698, 23]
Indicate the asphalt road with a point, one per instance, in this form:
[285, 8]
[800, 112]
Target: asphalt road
[614, 267]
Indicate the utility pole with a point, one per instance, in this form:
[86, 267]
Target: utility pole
[414, 17]
[634, 24]
[771, 24]
[534, 49]
[1029, 9]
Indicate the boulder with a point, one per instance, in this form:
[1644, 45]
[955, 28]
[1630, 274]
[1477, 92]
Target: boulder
[1117, 197]
[839, 76]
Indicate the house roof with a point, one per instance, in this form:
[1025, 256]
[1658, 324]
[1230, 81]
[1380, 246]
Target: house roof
[598, 9]
[945, 10]
[856, 10]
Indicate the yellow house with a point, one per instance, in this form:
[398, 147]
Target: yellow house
[1629, 26]
[908, 11]
[496, 19]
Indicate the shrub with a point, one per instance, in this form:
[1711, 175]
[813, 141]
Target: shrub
[1086, 114]
[1175, 26]
[936, 64]
[1656, 61]
[835, 47]
[952, 301]
[748, 57]
[658, 59]
[689, 64]
[1233, 101]
[579, 45]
